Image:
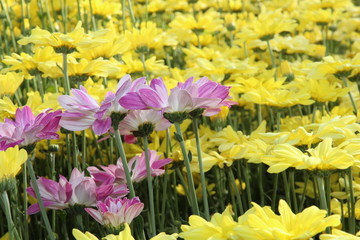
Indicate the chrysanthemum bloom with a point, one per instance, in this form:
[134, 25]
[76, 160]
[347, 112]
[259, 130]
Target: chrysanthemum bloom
[123, 235]
[10, 161]
[263, 223]
[115, 173]
[27, 129]
[113, 213]
[10, 82]
[142, 123]
[79, 190]
[62, 43]
[110, 107]
[80, 110]
[183, 99]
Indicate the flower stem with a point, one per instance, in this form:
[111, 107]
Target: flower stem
[351, 200]
[202, 173]
[150, 188]
[66, 76]
[350, 95]
[40, 202]
[14, 235]
[194, 204]
[124, 162]
[83, 136]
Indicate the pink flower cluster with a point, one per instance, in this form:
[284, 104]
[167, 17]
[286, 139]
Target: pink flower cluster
[26, 129]
[79, 190]
[114, 174]
[82, 111]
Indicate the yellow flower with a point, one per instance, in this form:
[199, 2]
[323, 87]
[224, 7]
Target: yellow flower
[29, 65]
[337, 234]
[220, 227]
[5, 237]
[123, 235]
[10, 82]
[325, 157]
[164, 236]
[266, 225]
[11, 161]
[338, 207]
[7, 108]
[62, 43]
[78, 235]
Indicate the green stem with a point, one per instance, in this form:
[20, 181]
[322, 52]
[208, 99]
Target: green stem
[274, 193]
[287, 188]
[132, 16]
[202, 173]
[26, 223]
[83, 146]
[247, 183]
[66, 76]
[150, 188]
[123, 6]
[322, 195]
[14, 235]
[237, 192]
[120, 146]
[40, 202]
[273, 64]
[147, 74]
[350, 95]
[74, 150]
[194, 204]
[292, 188]
[352, 227]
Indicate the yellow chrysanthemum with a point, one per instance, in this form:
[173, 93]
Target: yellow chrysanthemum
[266, 225]
[164, 236]
[337, 234]
[220, 227]
[10, 82]
[123, 235]
[11, 161]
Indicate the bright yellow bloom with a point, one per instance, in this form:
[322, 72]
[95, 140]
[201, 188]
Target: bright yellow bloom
[266, 225]
[164, 236]
[338, 207]
[325, 157]
[78, 235]
[220, 227]
[337, 234]
[29, 65]
[11, 161]
[10, 82]
[5, 237]
[123, 235]
[62, 43]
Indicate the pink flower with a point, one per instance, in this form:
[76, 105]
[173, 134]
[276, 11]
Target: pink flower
[80, 110]
[185, 97]
[115, 212]
[54, 195]
[115, 173]
[27, 129]
[143, 122]
[111, 104]
[79, 190]
[147, 97]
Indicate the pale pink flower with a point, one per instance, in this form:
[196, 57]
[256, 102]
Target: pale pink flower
[80, 110]
[115, 212]
[115, 173]
[27, 129]
[111, 104]
[142, 122]
[79, 190]
[185, 97]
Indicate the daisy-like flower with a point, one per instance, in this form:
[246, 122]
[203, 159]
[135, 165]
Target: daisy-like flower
[62, 43]
[183, 99]
[123, 235]
[80, 110]
[27, 129]
[10, 82]
[10, 162]
[110, 111]
[263, 223]
[113, 213]
[142, 123]
[115, 173]
[79, 190]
